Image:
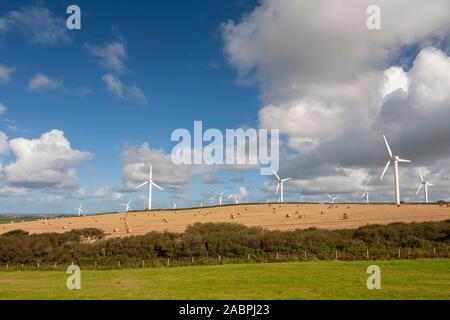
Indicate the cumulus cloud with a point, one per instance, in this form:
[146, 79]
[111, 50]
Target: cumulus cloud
[47, 162]
[41, 82]
[332, 87]
[4, 147]
[111, 55]
[123, 91]
[5, 74]
[2, 108]
[36, 23]
[136, 161]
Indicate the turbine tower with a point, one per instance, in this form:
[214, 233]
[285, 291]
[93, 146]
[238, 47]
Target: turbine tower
[423, 183]
[280, 186]
[366, 194]
[150, 185]
[395, 160]
[127, 206]
[332, 198]
[79, 209]
[220, 197]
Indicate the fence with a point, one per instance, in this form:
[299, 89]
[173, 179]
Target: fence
[111, 263]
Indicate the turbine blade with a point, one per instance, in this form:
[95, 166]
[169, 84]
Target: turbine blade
[287, 179]
[329, 196]
[387, 146]
[418, 190]
[278, 187]
[421, 175]
[385, 169]
[403, 160]
[276, 175]
[160, 188]
[429, 184]
[141, 185]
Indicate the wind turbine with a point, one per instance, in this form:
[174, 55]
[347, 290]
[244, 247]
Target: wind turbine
[220, 197]
[332, 198]
[79, 209]
[366, 194]
[174, 205]
[236, 198]
[423, 183]
[394, 159]
[127, 206]
[150, 185]
[280, 186]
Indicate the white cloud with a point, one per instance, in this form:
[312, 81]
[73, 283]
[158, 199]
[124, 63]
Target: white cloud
[123, 91]
[4, 146]
[7, 191]
[37, 24]
[45, 163]
[40, 82]
[136, 161]
[322, 80]
[112, 55]
[2, 108]
[5, 74]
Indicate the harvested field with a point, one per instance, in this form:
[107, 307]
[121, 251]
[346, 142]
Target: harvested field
[270, 216]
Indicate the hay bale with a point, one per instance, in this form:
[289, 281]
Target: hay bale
[116, 230]
[64, 227]
[246, 208]
[232, 216]
[128, 230]
[239, 213]
[322, 212]
[300, 217]
[70, 222]
[165, 220]
[288, 215]
[96, 220]
[345, 216]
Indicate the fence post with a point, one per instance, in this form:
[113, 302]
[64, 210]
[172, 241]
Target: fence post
[336, 254]
[7, 266]
[219, 257]
[54, 266]
[305, 255]
[95, 264]
[38, 265]
[168, 262]
[367, 254]
[192, 260]
[399, 253]
[248, 256]
[434, 250]
[143, 263]
[21, 266]
[277, 255]
[118, 263]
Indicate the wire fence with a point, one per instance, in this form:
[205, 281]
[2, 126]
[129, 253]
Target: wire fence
[114, 263]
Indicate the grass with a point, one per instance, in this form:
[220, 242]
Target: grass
[8, 219]
[400, 279]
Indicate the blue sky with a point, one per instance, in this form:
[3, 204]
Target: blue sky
[137, 71]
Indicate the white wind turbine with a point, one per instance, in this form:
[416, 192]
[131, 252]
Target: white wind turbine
[127, 206]
[236, 198]
[79, 209]
[150, 185]
[174, 205]
[366, 194]
[423, 183]
[220, 197]
[280, 185]
[332, 199]
[394, 159]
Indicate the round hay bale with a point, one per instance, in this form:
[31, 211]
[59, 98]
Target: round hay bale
[116, 230]
[322, 212]
[165, 220]
[232, 216]
[128, 230]
[345, 216]
[64, 227]
[288, 215]
[300, 217]
[239, 213]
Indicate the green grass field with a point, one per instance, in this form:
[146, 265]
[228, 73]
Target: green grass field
[400, 279]
[8, 219]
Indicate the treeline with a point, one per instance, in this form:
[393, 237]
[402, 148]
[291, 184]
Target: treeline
[228, 242]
